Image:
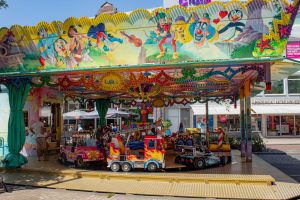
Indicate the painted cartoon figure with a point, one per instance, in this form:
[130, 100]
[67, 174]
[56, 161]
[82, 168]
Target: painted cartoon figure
[164, 29]
[152, 38]
[63, 53]
[46, 47]
[77, 45]
[202, 30]
[235, 25]
[99, 33]
[181, 30]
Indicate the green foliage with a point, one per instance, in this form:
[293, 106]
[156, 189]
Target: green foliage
[278, 49]
[257, 143]
[168, 58]
[213, 138]
[167, 123]
[3, 4]
[244, 51]
[93, 51]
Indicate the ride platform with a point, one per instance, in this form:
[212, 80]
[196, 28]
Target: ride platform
[241, 180]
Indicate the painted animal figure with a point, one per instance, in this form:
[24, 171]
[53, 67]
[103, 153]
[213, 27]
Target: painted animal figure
[228, 32]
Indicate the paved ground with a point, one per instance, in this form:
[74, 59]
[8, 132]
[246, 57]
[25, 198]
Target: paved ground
[284, 157]
[33, 193]
[282, 141]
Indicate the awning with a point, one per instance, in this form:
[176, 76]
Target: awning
[111, 113]
[272, 109]
[78, 114]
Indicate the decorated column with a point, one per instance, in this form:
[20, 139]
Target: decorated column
[248, 123]
[242, 122]
[102, 106]
[207, 123]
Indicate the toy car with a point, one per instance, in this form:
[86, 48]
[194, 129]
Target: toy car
[195, 157]
[80, 154]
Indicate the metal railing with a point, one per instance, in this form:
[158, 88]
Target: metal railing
[2, 146]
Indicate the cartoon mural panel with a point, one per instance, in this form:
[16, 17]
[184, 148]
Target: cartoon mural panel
[218, 30]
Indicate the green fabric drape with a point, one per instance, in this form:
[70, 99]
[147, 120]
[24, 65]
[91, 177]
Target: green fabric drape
[16, 126]
[102, 106]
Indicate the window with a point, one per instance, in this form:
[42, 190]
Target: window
[151, 144]
[294, 84]
[277, 88]
[73, 106]
[297, 124]
[283, 125]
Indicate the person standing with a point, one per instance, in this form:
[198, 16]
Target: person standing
[80, 129]
[41, 136]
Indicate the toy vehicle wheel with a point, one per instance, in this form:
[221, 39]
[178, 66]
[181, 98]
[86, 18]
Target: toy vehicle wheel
[224, 160]
[63, 158]
[229, 160]
[79, 162]
[126, 167]
[115, 167]
[199, 163]
[151, 167]
[178, 160]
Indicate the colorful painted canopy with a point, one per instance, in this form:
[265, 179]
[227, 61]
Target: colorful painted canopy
[205, 51]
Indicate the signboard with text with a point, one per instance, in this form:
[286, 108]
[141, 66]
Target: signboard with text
[185, 3]
[293, 50]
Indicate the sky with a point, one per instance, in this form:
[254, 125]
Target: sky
[30, 12]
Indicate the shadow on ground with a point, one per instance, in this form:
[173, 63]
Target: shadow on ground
[287, 163]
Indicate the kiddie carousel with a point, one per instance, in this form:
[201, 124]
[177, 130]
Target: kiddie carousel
[218, 52]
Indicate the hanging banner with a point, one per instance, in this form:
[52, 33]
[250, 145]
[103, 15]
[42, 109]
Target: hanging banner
[217, 31]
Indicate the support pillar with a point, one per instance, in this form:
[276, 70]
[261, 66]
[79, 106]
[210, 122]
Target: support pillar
[248, 123]
[34, 107]
[207, 123]
[242, 122]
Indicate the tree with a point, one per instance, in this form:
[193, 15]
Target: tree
[3, 4]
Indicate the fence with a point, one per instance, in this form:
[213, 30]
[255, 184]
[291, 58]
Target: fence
[3, 144]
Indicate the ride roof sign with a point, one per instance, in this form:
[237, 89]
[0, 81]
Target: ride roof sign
[189, 3]
[185, 3]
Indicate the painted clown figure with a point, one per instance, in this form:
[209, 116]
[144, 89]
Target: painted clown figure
[163, 29]
[202, 30]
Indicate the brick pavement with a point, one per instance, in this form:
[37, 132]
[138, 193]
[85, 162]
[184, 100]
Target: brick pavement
[33, 193]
